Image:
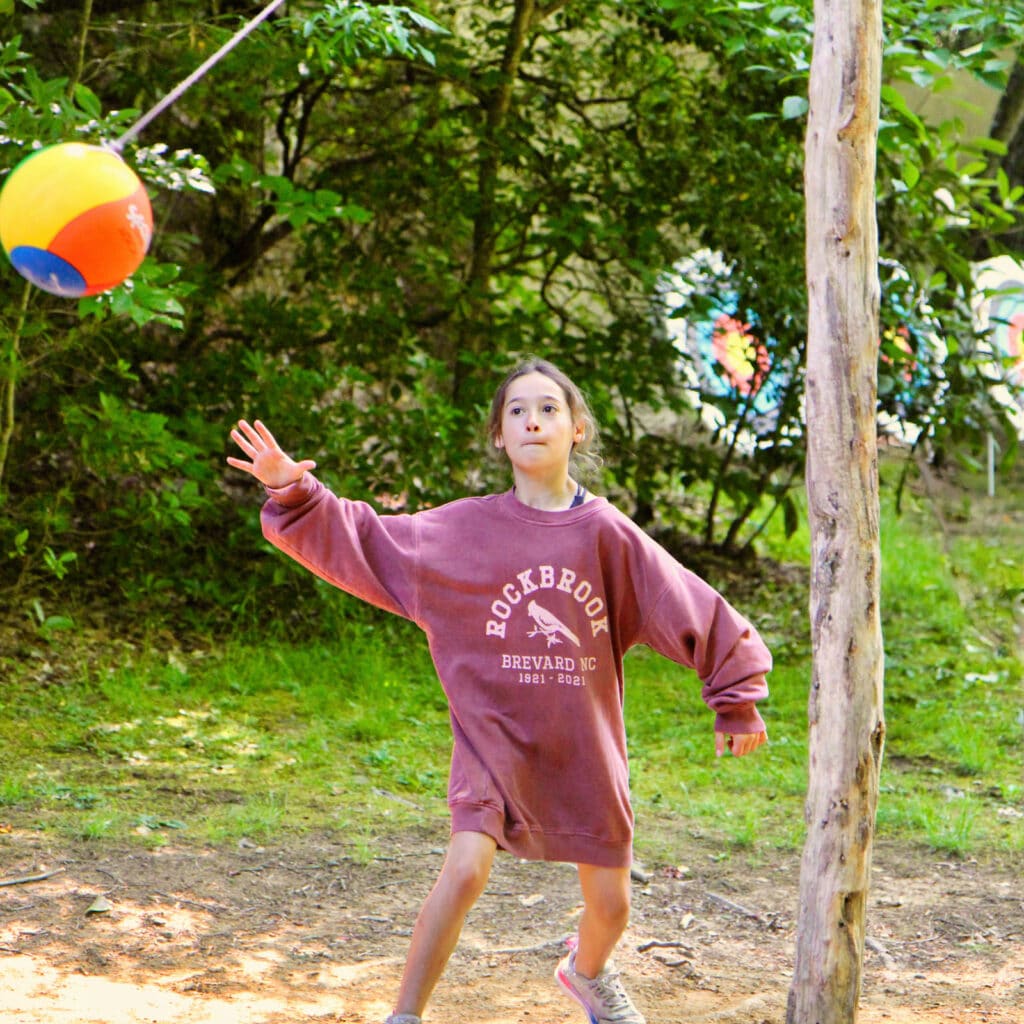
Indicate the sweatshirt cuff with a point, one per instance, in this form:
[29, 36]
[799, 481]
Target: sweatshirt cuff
[294, 493]
[739, 719]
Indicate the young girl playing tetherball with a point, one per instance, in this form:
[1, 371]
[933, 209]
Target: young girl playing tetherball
[529, 600]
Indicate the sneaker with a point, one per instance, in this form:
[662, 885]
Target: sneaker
[603, 997]
[403, 1018]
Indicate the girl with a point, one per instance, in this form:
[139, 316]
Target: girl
[529, 600]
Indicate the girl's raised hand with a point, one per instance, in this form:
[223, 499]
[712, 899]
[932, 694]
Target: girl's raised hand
[271, 466]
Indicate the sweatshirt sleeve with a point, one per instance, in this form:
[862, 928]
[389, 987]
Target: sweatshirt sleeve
[346, 543]
[691, 623]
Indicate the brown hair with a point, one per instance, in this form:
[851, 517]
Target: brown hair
[585, 455]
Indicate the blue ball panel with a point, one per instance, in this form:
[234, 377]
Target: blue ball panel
[49, 272]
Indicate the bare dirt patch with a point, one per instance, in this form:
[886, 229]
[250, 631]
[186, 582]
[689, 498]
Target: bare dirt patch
[301, 932]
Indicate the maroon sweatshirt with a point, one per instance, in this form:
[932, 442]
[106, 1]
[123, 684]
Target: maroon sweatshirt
[528, 615]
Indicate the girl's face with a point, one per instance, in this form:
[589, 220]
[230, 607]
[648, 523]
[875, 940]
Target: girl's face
[537, 428]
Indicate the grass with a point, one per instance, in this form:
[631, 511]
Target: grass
[243, 741]
[255, 739]
[954, 585]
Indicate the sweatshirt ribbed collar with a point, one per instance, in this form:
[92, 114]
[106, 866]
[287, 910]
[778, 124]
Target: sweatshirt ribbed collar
[512, 506]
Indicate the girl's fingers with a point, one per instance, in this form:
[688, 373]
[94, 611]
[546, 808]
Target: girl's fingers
[740, 744]
[243, 444]
[252, 435]
[244, 427]
[264, 434]
[748, 743]
[246, 467]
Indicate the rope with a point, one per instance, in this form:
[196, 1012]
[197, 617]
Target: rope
[118, 144]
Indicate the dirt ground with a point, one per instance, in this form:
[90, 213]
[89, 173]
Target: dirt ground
[301, 932]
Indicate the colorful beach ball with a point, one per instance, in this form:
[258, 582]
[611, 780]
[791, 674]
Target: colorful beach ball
[74, 219]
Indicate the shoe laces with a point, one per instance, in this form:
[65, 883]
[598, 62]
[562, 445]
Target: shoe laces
[613, 995]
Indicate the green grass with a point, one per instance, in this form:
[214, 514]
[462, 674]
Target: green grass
[954, 694]
[246, 741]
[259, 738]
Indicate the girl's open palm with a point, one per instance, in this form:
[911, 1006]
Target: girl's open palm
[271, 466]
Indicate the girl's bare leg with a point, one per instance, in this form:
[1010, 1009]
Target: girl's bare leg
[606, 893]
[463, 877]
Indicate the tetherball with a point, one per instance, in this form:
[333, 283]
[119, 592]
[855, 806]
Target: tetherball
[75, 219]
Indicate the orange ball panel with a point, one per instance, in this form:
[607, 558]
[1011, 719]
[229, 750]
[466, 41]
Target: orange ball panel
[108, 242]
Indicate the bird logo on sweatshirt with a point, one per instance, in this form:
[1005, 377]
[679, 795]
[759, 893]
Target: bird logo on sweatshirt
[549, 626]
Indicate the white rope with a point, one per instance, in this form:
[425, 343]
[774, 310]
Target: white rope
[118, 144]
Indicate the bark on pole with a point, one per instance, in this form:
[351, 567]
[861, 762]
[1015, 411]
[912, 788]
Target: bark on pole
[846, 719]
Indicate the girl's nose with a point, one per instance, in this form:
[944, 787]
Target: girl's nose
[531, 421]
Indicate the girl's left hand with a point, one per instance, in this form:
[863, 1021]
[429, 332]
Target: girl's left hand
[740, 743]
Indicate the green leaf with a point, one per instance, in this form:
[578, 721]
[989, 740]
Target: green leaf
[422, 21]
[794, 107]
[895, 100]
[777, 14]
[88, 101]
[996, 66]
[988, 145]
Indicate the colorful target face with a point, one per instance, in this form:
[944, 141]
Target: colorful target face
[999, 308]
[1006, 316]
[743, 359]
[74, 219]
[732, 360]
[726, 360]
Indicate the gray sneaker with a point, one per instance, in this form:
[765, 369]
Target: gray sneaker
[403, 1018]
[603, 997]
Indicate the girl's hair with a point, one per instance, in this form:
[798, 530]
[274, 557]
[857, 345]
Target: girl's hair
[586, 454]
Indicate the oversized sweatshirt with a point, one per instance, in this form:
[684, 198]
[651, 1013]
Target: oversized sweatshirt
[528, 615]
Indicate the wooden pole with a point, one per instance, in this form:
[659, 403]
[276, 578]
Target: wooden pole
[846, 719]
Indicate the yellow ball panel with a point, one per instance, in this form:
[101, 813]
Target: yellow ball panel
[53, 186]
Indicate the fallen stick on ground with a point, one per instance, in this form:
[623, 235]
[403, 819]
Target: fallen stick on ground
[31, 878]
[508, 951]
[736, 908]
[876, 947]
[660, 944]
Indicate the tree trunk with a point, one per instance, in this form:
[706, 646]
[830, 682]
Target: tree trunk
[847, 727]
[473, 332]
[10, 352]
[1008, 128]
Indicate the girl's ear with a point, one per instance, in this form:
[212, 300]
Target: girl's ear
[499, 441]
[579, 433]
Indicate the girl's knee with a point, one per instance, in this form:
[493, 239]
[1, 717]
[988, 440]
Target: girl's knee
[606, 896]
[466, 878]
[467, 867]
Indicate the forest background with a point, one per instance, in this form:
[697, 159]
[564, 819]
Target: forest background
[366, 213]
